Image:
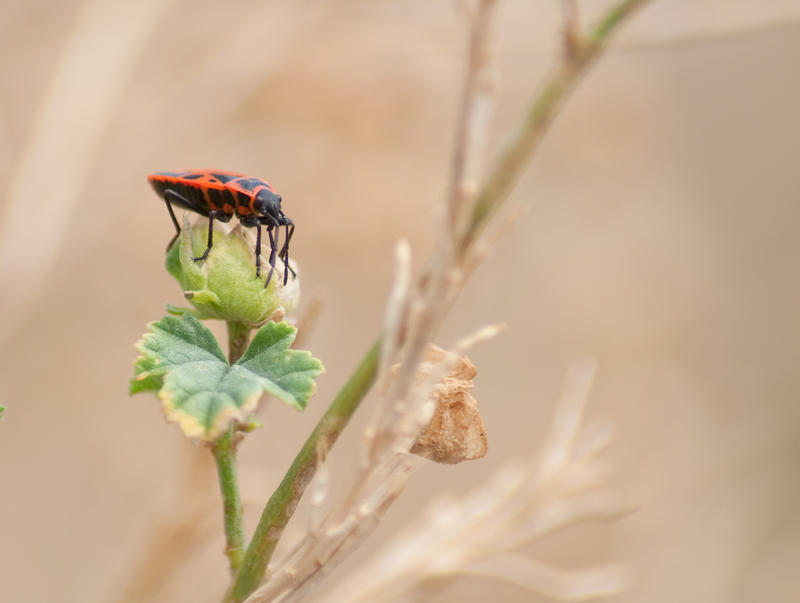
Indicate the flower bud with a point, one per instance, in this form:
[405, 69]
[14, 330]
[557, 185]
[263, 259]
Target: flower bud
[224, 285]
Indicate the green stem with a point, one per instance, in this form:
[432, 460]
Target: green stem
[224, 450]
[601, 30]
[238, 338]
[282, 504]
[498, 186]
[542, 111]
[225, 455]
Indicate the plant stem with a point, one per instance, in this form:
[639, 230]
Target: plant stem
[599, 33]
[283, 501]
[225, 455]
[496, 189]
[543, 109]
[238, 338]
[224, 450]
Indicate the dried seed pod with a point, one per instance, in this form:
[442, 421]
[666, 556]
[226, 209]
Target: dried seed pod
[456, 431]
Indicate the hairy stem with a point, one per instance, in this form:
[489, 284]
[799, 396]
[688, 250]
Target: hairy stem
[238, 338]
[225, 455]
[283, 501]
[224, 450]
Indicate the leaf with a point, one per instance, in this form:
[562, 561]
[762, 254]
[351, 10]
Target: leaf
[178, 310]
[182, 362]
[2, 410]
[289, 374]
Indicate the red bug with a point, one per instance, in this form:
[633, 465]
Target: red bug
[219, 195]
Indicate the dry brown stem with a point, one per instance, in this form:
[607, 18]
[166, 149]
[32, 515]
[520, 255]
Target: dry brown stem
[416, 312]
[479, 534]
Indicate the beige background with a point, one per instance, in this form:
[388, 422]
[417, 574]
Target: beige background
[659, 234]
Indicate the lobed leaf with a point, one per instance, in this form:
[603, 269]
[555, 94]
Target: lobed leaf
[184, 365]
[290, 373]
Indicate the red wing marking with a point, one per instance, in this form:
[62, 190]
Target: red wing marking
[214, 179]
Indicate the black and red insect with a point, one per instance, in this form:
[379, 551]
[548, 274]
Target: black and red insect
[221, 195]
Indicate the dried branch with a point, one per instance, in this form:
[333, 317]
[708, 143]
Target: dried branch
[477, 102]
[413, 319]
[540, 115]
[478, 534]
[572, 28]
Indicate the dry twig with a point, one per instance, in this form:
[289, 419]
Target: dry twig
[478, 534]
[414, 316]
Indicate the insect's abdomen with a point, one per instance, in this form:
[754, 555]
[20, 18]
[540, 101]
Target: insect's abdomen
[201, 197]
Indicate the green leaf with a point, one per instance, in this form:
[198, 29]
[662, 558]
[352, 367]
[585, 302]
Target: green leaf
[289, 374]
[2, 410]
[178, 310]
[182, 362]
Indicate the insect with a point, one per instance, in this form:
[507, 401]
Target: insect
[219, 195]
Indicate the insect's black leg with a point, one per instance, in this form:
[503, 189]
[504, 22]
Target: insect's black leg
[169, 195]
[211, 217]
[172, 240]
[284, 254]
[258, 250]
[272, 248]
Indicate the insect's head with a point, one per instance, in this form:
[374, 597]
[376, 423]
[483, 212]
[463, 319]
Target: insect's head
[268, 203]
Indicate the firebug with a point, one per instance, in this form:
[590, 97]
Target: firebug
[221, 195]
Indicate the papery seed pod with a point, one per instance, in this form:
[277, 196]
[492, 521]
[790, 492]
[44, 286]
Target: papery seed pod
[456, 431]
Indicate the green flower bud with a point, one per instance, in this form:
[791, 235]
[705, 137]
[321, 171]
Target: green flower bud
[224, 285]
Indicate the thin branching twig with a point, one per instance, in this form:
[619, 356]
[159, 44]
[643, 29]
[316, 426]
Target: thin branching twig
[474, 115]
[413, 319]
[479, 533]
[540, 114]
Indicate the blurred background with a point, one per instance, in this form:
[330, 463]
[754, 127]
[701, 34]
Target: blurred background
[658, 233]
